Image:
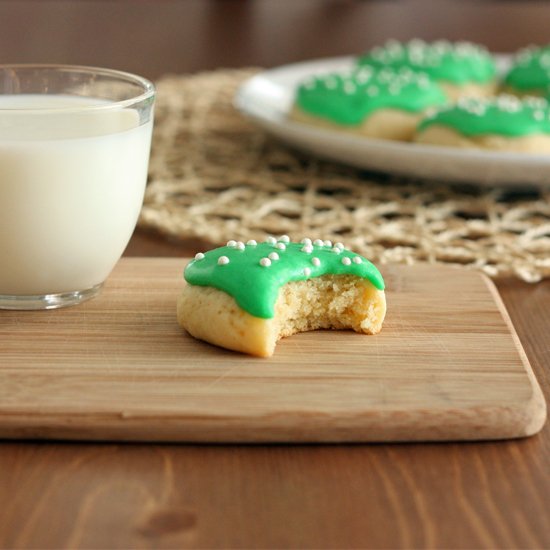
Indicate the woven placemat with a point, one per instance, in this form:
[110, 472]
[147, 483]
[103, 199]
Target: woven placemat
[215, 176]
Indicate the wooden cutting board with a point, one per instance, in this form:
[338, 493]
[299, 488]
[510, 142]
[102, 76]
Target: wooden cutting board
[446, 366]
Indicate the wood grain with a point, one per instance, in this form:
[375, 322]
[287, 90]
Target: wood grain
[446, 366]
[380, 496]
[444, 495]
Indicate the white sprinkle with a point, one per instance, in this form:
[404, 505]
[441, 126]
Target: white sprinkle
[363, 77]
[328, 243]
[231, 244]
[385, 75]
[318, 242]
[346, 261]
[394, 89]
[284, 239]
[372, 91]
[417, 43]
[544, 59]
[392, 45]
[251, 242]
[223, 260]
[423, 80]
[339, 245]
[307, 271]
[281, 246]
[440, 46]
[357, 260]
[536, 102]
[417, 58]
[240, 245]
[463, 102]
[337, 250]
[306, 241]
[273, 256]
[199, 256]
[508, 103]
[265, 262]
[316, 262]
[538, 115]
[349, 88]
[271, 240]
[307, 249]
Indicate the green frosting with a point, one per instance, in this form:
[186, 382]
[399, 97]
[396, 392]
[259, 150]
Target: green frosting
[531, 71]
[237, 269]
[454, 63]
[350, 98]
[505, 115]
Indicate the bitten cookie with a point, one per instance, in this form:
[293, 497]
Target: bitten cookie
[383, 104]
[245, 297]
[462, 68]
[505, 123]
[530, 73]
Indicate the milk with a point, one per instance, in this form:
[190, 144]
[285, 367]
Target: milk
[71, 188]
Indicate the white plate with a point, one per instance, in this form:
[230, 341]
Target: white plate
[267, 98]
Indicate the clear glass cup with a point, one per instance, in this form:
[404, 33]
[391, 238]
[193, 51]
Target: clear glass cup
[74, 151]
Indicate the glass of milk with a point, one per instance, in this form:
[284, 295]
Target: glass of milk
[74, 150]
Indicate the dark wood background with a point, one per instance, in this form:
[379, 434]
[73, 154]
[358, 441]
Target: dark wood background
[153, 37]
[481, 495]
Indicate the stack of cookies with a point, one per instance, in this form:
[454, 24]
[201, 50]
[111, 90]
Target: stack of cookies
[440, 94]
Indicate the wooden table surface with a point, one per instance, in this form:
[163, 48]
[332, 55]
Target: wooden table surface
[475, 495]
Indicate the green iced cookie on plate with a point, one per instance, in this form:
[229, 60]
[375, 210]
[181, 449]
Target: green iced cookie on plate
[384, 104]
[461, 68]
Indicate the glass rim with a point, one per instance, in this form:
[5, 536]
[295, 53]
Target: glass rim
[148, 87]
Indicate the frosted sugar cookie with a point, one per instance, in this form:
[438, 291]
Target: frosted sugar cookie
[383, 104]
[462, 68]
[530, 73]
[505, 123]
[245, 297]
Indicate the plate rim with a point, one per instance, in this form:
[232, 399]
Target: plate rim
[275, 121]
